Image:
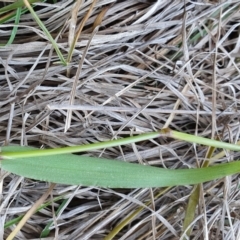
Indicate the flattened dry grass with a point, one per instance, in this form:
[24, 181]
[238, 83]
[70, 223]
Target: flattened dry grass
[148, 65]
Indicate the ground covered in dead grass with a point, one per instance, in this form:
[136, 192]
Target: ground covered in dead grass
[149, 65]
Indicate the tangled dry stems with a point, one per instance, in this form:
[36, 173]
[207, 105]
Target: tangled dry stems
[146, 67]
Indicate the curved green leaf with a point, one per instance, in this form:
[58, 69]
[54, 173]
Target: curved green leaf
[89, 171]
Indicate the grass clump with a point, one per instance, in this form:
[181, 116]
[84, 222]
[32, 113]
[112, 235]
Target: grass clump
[134, 67]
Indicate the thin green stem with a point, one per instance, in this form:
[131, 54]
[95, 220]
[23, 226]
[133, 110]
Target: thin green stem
[41, 25]
[81, 148]
[113, 143]
[46, 231]
[15, 5]
[15, 28]
[204, 141]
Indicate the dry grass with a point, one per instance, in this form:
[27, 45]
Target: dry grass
[148, 66]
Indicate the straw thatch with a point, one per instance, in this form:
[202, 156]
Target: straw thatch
[149, 65]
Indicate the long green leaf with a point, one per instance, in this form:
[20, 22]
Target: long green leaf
[89, 171]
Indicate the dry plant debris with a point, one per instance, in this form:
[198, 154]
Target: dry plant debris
[148, 65]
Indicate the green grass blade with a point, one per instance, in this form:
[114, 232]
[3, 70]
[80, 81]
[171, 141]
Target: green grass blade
[89, 171]
[190, 212]
[15, 28]
[49, 36]
[27, 152]
[193, 202]
[45, 232]
[18, 219]
[201, 140]
[11, 16]
[123, 224]
[112, 143]
[15, 5]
